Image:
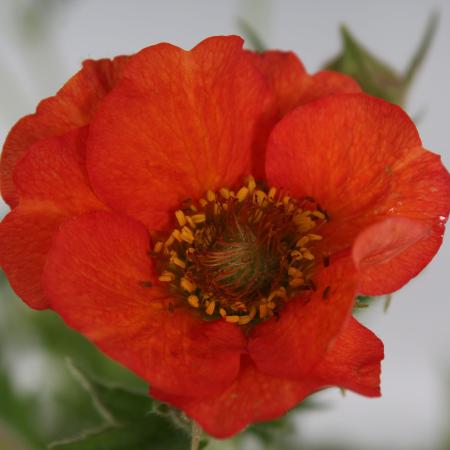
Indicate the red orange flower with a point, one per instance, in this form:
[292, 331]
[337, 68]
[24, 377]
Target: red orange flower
[207, 217]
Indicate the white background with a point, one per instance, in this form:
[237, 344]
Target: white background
[38, 55]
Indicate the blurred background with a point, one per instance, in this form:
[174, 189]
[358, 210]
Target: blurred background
[42, 43]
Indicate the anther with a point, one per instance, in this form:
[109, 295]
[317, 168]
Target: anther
[242, 194]
[210, 308]
[180, 217]
[211, 196]
[194, 301]
[232, 319]
[187, 285]
[241, 254]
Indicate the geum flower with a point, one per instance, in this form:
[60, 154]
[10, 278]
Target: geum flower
[207, 217]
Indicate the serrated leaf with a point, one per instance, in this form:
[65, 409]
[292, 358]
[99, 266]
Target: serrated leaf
[153, 433]
[114, 403]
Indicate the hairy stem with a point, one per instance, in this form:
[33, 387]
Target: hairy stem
[196, 435]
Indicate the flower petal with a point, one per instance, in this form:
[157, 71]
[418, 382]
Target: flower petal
[391, 252]
[293, 86]
[299, 339]
[52, 185]
[95, 278]
[353, 361]
[72, 107]
[180, 123]
[252, 397]
[326, 83]
[285, 75]
[362, 160]
[338, 150]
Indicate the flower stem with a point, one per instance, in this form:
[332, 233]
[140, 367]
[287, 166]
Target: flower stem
[196, 435]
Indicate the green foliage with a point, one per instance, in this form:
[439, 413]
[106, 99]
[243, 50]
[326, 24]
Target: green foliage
[131, 421]
[374, 75]
[155, 433]
[43, 403]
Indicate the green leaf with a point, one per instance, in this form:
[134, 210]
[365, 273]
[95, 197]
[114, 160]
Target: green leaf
[133, 422]
[114, 403]
[153, 433]
[375, 76]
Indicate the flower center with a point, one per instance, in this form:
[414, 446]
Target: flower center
[241, 255]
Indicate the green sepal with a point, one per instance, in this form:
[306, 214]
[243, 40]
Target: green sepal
[251, 36]
[375, 76]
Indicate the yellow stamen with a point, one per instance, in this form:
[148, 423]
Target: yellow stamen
[219, 241]
[263, 311]
[318, 214]
[190, 222]
[307, 254]
[198, 218]
[180, 217]
[210, 308]
[169, 241]
[294, 272]
[296, 282]
[178, 262]
[225, 193]
[176, 234]
[272, 193]
[243, 320]
[186, 235]
[166, 277]
[232, 319]
[242, 194]
[251, 184]
[194, 301]
[188, 285]
[260, 197]
[302, 241]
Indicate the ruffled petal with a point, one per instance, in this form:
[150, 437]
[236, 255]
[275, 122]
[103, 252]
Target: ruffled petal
[180, 123]
[52, 185]
[391, 252]
[293, 86]
[353, 361]
[362, 160]
[252, 397]
[285, 75]
[339, 150]
[97, 277]
[326, 83]
[25, 238]
[72, 107]
[291, 345]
